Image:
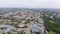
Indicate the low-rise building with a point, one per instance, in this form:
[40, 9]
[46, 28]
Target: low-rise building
[37, 29]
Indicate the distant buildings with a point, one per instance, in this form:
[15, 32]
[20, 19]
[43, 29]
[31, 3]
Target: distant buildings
[58, 16]
[22, 20]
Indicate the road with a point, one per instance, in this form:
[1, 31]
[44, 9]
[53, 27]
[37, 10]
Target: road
[27, 30]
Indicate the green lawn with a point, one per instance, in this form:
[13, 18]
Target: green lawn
[51, 32]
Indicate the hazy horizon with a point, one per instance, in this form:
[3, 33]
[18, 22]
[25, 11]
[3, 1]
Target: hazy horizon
[30, 3]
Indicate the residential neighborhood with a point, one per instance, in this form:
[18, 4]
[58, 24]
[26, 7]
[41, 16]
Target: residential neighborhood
[22, 22]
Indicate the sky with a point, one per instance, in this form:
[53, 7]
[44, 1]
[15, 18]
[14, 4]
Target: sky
[30, 3]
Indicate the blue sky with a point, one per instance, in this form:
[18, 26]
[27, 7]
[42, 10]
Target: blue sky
[30, 3]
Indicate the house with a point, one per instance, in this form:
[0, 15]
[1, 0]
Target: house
[7, 28]
[21, 25]
[37, 29]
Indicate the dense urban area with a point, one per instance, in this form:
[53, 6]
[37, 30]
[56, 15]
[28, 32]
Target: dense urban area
[29, 21]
